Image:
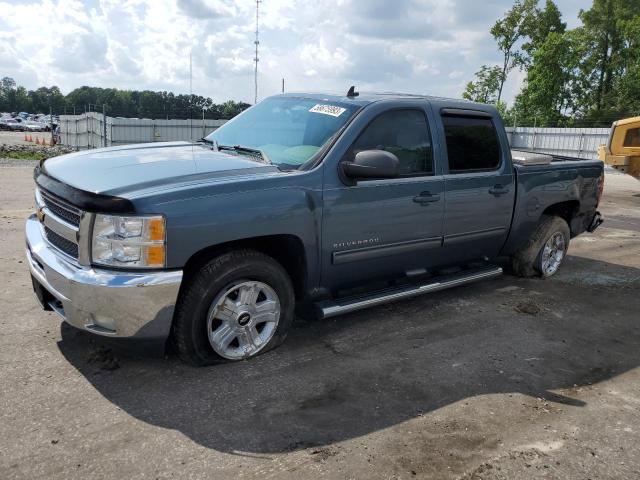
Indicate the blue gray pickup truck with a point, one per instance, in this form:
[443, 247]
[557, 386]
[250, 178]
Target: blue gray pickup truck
[315, 203]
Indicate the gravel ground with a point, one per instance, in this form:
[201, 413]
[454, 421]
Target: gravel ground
[12, 162]
[17, 138]
[505, 379]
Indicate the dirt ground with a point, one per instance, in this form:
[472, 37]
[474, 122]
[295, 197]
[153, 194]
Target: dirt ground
[505, 379]
[17, 138]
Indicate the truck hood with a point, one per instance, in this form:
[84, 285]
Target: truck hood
[121, 170]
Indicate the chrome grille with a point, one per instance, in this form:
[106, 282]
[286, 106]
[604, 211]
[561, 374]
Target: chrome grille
[61, 243]
[62, 209]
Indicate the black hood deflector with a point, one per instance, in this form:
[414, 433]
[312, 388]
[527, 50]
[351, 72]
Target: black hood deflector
[89, 201]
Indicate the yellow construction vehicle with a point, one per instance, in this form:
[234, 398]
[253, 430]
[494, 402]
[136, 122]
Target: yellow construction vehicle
[622, 151]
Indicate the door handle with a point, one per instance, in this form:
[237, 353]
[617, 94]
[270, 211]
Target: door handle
[426, 197]
[498, 190]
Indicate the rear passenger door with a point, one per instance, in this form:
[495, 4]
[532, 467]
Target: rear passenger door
[479, 185]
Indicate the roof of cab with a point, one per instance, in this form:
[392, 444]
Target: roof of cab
[365, 98]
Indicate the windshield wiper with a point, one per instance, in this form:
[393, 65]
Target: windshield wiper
[210, 142]
[254, 152]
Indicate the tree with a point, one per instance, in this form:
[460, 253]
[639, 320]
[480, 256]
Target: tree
[538, 25]
[13, 98]
[507, 32]
[230, 108]
[627, 85]
[485, 88]
[123, 103]
[549, 89]
[605, 29]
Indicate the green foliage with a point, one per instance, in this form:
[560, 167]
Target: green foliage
[610, 29]
[548, 94]
[122, 103]
[507, 32]
[538, 24]
[586, 76]
[486, 87]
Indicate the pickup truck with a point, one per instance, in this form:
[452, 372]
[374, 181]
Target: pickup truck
[305, 203]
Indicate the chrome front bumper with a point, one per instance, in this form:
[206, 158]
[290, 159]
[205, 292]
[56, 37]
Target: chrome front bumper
[106, 302]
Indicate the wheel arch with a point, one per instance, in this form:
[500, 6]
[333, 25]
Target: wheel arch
[567, 210]
[288, 250]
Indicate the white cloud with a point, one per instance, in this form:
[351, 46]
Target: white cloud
[427, 46]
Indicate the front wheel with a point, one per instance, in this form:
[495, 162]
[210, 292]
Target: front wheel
[235, 307]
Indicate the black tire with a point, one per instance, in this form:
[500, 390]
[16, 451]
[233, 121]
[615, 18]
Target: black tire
[527, 262]
[189, 336]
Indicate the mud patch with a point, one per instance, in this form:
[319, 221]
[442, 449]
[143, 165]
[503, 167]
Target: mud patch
[322, 454]
[528, 308]
[104, 359]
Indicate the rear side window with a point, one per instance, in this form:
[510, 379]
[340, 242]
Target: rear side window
[405, 134]
[632, 138]
[472, 143]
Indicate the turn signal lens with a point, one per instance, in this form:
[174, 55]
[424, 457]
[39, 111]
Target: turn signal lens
[155, 256]
[156, 229]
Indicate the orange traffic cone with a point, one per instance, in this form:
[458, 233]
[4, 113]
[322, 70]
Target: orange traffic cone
[25, 138]
[37, 141]
[30, 139]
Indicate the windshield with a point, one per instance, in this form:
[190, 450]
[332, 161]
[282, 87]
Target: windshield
[289, 131]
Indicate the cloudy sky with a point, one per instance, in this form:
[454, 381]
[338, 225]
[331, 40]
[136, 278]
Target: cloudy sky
[419, 46]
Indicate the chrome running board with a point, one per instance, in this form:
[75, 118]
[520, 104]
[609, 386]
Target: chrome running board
[332, 308]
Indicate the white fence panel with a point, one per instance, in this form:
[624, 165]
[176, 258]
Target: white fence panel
[88, 130]
[569, 142]
[122, 131]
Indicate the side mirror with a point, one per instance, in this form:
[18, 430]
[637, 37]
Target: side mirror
[372, 164]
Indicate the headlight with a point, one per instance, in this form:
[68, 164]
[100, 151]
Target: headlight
[129, 241]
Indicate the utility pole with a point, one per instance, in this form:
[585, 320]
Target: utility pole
[283, 85]
[104, 124]
[256, 59]
[190, 98]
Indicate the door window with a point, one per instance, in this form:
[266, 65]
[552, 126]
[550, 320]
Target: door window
[404, 133]
[472, 143]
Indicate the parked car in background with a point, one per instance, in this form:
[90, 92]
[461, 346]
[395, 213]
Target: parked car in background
[15, 124]
[332, 203]
[32, 126]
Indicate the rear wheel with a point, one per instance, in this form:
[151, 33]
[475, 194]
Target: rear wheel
[545, 251]
[551, 254]
[235, 307]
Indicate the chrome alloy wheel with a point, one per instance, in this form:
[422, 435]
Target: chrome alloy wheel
[242, 319]
[553, 253]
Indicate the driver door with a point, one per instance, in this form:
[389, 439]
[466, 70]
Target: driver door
[385, 228]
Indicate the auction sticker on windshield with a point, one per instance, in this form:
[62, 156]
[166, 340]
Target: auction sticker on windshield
[328, 110]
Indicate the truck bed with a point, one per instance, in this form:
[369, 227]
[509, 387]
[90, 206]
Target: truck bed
[570, 184]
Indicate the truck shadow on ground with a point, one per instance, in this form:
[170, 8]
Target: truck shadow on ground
[354, 375]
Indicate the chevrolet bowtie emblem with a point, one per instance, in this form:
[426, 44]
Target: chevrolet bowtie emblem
[40, 214]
